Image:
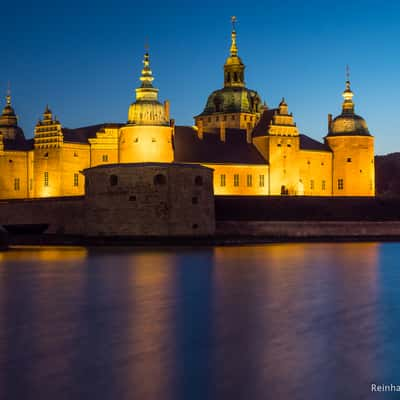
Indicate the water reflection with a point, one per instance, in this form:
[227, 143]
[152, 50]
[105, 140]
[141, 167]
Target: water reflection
[305, 321]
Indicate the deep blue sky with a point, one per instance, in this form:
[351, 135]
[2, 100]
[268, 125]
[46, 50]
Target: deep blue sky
[84, 58]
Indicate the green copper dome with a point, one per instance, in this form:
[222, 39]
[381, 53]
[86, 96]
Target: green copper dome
[348, 123]
[232, 100]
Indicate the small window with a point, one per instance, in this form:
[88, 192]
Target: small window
[224, 117]
[198, 181]
[262, 180]
[289, 145]
[132, 198]
[75, 154]
[217, 119]
[236, 180]
[105, 157]
[195, 226]
[136, 140]
[46, 179]
[323, 185]
[249, 180]
[10, 161]
[46, 155]
[233, 118]
[209, 119]
[349, 159]
[195, 200]
[312, 184]
[153, 140]
[113, 180]
[16, 184]
[76, 180]
[340, 184]
[223, 180]
[160, 179]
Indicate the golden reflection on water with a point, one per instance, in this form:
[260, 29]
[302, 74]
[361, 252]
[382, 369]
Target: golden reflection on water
[309, 302]
[44, 253]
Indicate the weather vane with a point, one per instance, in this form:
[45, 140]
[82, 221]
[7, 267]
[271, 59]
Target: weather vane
[146, 45]
[234, 20]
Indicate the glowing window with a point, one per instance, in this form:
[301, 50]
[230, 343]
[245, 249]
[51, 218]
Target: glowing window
[105, 157]
[249, 180]
[76, 179]
[262, 180]
[46, 179]
[340, 184]
[16, 184]
[236, 180]
[323, 185]
[223, 180]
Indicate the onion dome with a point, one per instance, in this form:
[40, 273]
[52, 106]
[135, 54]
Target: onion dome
[348, 123]
[147, 110]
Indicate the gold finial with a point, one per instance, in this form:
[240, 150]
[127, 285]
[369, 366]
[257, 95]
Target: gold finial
[147, 75]
[348, 105]
[8, 96]
[234, 50]
[233, 20]
[347, 77]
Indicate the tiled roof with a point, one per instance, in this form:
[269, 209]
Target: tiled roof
[235, 150]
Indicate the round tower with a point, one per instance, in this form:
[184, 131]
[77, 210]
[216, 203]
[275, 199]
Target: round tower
[147, 137]
[353, 151]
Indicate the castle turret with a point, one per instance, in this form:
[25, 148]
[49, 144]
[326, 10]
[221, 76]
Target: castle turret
[353, 151]
[234, 104]
[9, 122]
[148, 134]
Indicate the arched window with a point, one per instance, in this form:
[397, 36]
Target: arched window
[160, 179]
[113, 180]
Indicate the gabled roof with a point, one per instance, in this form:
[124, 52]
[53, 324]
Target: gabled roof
[235, 150]
[261, 129]
[307, 143]
[82, 135]
[19, 144]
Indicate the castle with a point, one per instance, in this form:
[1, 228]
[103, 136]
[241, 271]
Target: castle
[252, 149]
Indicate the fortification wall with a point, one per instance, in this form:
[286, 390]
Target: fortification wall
[309, 229]
[63, 215]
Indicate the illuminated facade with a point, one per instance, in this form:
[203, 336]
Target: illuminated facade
[253, 150]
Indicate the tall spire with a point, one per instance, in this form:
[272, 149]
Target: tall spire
[147, 75]
[234, 49]
[146, 91]
[233, 68]
[8, 96]
[348, 104]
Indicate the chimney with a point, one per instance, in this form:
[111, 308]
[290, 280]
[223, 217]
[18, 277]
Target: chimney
[166, 109]
[222, 131]
[248, 133]
[329, 121]
[200, 132]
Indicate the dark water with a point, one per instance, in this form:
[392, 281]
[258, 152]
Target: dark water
[282, 321]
